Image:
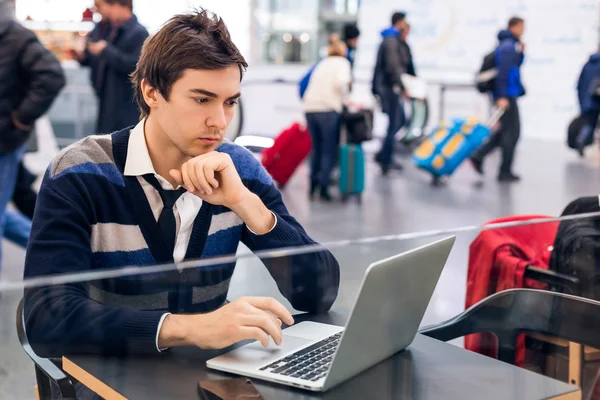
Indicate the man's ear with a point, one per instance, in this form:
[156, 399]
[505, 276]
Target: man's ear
[151, 95]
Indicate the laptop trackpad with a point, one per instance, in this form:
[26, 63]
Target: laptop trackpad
[255, 354]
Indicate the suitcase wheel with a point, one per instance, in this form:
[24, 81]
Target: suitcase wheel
[281, 186]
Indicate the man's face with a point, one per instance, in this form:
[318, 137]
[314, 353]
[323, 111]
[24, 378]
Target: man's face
[103, 8]
[201, 105]
[518, 30]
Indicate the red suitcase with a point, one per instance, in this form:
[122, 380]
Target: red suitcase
[290, 148]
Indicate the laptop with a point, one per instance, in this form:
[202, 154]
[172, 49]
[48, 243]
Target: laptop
[386, 315]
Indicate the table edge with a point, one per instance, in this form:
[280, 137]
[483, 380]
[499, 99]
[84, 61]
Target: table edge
[90, 381]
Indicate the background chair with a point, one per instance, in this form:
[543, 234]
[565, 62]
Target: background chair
[543, 314]
[47, 373]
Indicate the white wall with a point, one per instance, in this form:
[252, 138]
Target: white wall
[450, 37]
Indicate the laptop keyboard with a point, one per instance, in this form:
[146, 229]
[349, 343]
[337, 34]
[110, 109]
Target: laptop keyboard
[310, 363]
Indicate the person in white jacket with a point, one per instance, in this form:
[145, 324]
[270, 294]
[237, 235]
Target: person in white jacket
[323, 104]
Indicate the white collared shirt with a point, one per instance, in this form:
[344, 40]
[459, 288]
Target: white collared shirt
[139, 163]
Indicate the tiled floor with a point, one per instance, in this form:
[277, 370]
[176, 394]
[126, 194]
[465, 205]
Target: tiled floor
[404, 202]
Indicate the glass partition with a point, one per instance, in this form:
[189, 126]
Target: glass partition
[100, 319]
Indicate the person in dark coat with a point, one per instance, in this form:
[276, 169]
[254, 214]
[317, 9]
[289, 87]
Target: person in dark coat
[117, 57]
[392, 62]
[101, 31]
[588, 103]
[30, 79]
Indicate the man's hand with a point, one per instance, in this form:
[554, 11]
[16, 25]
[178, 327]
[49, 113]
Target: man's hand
[18, 123]
[502, 103]
[243, 319]
[213, 178]
[96, 48]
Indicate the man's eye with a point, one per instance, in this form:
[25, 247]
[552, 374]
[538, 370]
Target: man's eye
[232, 103]
[201, 101]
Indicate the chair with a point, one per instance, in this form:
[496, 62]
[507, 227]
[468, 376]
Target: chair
[510, 313]
[46, 371]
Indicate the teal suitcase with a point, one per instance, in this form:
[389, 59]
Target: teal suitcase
[352, 171]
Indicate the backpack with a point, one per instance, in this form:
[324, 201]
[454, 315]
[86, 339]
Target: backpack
[303, 85]
[485, 80]
[577, 247]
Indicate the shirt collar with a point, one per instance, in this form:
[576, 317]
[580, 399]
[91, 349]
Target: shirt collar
[138, 161]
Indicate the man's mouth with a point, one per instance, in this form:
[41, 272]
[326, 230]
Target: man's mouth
[210, 140]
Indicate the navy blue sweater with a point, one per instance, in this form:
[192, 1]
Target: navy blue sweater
[91, 217]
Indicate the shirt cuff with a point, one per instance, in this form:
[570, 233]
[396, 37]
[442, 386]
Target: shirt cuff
[270, 230]
[162, 319]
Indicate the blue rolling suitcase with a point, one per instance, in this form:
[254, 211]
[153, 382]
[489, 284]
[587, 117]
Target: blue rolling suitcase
[450, 144]
[352, 171]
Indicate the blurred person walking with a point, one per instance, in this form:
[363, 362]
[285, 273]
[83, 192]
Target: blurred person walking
[508, 88]
[115, 58]
[589, 102]
[392, 61]
[30, 79]
[323, 104]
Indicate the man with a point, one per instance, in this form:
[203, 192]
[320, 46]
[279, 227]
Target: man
[392, 62]
[589, 103]
[508, 88]
[115, 59]
[108, 201]
[30, 79]
[100, 32]
[351, 37]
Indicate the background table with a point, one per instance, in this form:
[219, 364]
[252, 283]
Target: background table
[428, 369]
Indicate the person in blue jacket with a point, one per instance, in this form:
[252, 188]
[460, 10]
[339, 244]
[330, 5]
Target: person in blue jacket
[508, 88]
[588, 104]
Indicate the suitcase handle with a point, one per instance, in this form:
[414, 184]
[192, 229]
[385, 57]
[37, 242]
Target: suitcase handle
[494, 118]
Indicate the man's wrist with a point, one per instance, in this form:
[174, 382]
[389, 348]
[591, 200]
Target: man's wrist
[173, 332]
[254, 214]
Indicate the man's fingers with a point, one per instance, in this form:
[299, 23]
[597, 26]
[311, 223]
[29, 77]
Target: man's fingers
[177, 176]
[251, 332]
[187, 183]
[209, 174]
[199, 173]
[190, 168]
[266, 323]
[272, 305]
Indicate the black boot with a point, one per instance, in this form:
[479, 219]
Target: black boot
[508, 177]
[325, 196]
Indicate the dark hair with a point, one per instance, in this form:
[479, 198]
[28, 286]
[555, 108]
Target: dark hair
[397, 17]
[351, 31]
[124, 3]
[515, 21]
[198, 40]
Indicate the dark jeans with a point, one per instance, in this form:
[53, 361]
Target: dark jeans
[392, 106]
[324, 128]
[506, 138]
[587, 133]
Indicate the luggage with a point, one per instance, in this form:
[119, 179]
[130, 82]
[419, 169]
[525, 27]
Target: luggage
[352, 171]
[303, 84]
[418, 120]
[290, 149]
[358, 125]
[575, 128]
[450, 144]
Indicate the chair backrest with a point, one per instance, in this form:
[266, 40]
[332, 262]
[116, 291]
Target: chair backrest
[45, 370]
[510, 313]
